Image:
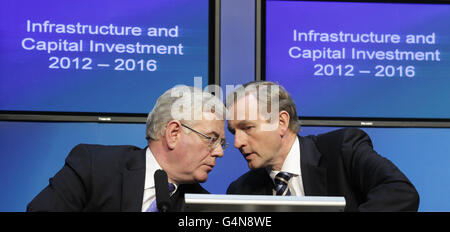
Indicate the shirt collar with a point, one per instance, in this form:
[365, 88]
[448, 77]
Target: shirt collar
[151, 165]
[291, 163]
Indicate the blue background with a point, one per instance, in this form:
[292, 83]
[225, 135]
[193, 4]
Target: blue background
[32, 152]
[27, 83]
[423, 96]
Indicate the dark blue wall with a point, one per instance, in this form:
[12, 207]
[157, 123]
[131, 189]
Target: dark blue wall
[31, 153]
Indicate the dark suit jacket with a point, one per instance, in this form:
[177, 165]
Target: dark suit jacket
[102, 178]
[342, 163]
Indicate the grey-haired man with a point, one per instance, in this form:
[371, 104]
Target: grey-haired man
[185, 144]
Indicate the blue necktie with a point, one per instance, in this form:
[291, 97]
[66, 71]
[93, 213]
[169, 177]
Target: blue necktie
[281, 184]
[153, 207]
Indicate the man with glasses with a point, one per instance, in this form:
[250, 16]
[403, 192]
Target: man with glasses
[120, 178]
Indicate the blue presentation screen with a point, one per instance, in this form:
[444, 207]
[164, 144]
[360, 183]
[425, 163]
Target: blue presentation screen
[359, 59]
[99, 56]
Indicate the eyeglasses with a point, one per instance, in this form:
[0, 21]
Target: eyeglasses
[213, 141]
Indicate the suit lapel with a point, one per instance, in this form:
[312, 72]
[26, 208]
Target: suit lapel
[133, 179]
[260, 183]
[268, 186]
[314, 177]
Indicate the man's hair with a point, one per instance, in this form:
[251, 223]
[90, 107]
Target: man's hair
[266, 92]
[184, 103]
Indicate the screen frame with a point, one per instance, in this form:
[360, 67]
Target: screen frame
[108, 117]
[260, 75]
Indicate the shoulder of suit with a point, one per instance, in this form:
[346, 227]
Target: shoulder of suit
[193, 188]
[335, 139]
[252, 176]
[97, 149]
[343, 132]
[346, 139]
[102, 154]
[338, 135]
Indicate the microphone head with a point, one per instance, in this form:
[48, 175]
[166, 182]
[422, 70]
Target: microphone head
[162, 190]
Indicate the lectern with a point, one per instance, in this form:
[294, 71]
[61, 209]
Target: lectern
[262, 203]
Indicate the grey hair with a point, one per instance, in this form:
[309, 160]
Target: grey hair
[184, 103]
[266, 92]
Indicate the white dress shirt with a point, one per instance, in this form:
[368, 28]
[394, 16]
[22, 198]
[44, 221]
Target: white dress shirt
[151, 165]
[292, 166]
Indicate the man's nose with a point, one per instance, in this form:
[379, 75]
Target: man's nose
[239, 139]
[217, 152]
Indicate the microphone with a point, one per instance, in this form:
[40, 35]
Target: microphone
[162, 190]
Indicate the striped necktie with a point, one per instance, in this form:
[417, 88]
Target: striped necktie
[281, 184]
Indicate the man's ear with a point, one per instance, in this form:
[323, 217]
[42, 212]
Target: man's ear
[173, 133]
[283, 122]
